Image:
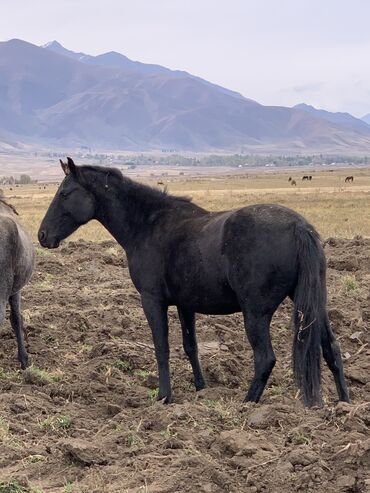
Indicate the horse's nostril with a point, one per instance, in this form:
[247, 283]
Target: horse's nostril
[42, 235]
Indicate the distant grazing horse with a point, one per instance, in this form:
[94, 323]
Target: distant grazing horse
[307, 177]
[160, 183]
[247, 260]
[348, 179]
[16, 267]
[290, 178]
[293, 183]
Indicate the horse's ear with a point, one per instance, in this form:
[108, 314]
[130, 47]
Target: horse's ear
[68, 167]
[64, 167]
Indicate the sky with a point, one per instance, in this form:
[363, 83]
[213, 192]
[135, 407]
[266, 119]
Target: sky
[277, 52]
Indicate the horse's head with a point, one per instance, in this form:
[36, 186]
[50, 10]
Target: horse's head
[71, 207]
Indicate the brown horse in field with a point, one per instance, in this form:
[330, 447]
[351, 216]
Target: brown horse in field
[348, 179]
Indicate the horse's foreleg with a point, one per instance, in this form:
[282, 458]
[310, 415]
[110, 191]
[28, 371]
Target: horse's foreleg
[156, 314]
[258, 333]
[189, 340]
[17, 324]
[2, 312]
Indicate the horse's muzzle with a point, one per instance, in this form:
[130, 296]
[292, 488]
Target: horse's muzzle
[47, 242]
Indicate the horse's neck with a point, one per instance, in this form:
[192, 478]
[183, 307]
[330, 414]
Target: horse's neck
[108, 214]
[124, 213]
[6, 211]
[130, 210]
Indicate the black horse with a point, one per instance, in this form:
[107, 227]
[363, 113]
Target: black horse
[246, 260]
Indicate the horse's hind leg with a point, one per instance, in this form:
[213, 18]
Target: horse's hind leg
[258, 332]
[187, 320]
[17, 324]
[333, 358]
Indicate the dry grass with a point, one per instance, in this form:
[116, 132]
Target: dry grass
[335, 208]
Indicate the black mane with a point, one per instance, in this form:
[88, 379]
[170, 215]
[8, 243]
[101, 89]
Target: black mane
[150, 198]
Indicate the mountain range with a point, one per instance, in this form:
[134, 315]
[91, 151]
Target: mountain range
[366, 118]
[52, 96]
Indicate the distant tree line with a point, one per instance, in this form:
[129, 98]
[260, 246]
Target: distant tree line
[240, 159]
[22, 180]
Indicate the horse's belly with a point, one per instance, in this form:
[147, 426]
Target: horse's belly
[205, 296]
[221, 308]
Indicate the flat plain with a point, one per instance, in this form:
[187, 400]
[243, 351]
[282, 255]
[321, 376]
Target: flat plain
[334, 207]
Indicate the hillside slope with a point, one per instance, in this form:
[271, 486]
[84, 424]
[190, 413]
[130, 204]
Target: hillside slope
[48, 97]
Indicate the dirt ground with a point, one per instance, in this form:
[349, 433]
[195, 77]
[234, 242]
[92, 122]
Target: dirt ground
[85, 418]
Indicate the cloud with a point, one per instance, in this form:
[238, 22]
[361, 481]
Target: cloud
[272, 52]
[310, 87]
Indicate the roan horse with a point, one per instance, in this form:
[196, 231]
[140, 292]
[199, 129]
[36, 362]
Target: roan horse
[17, 257]
[248, 260]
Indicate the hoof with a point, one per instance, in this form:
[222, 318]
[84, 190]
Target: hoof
[250, 399]
[316, 402]
[165, 399]
[24, 361]
[200, 385]
[345, 398]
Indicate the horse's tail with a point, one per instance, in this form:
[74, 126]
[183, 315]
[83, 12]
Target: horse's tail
[309, 314]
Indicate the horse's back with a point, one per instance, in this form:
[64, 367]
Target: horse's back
[260, 244]
[266, 217]
[260, 232]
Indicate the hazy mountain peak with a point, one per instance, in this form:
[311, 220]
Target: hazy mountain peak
[56, 47]
[116, 60]
[114, 53]
[303, 106]
[339, 118]
[17, 42]
[109, 59]
[366, 118]
[52, 45]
